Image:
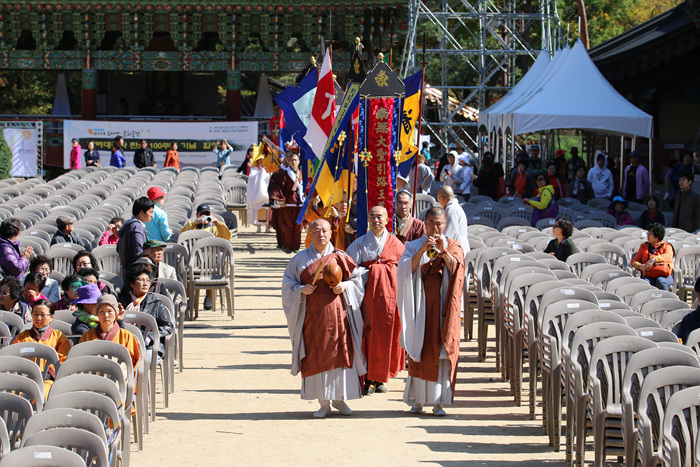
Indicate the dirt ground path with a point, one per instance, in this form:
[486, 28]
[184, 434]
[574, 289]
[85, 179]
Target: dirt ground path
[236, 403]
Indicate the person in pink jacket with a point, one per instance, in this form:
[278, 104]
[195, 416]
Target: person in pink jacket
[75, 154]
[110, 236]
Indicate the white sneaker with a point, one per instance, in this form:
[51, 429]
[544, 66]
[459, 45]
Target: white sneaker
[324, 410]
[438, 411]
[417, 408]
[342, 407]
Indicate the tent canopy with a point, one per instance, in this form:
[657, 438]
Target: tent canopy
[572, 93]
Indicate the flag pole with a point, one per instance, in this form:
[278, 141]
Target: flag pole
[418, 128]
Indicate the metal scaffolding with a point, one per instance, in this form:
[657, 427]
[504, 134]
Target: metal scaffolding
[486, 35]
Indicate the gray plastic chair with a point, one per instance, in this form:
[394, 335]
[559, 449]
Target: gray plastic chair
[637, 322]
[645, 296]
[147, 324]
[613, 254]
[656, 391]
[142, 396]
[673, 317]
[5, 446]
[42, 456]
[592, 269]
[655, 309]
[578, 261]
[105, 410]
[656, 334]
[13, 322]
[584, 340]
[91, 446]
[211, 267]
[178, 294]
[680, 427]
[15, 410]
[25, 387]
[639, 366]
[43, 355]
[62, 258]
[607, 370]
[108, 258]
[23, 367]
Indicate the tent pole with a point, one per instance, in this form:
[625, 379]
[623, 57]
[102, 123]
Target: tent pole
[651, 163]
[622, 152]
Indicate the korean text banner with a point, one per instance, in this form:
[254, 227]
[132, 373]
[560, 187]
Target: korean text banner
[195, 140]
[23, 145]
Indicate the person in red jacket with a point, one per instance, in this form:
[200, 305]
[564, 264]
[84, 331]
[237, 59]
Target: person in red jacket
[655, 258]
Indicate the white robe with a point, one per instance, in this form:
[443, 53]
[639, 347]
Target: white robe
[411, 300]
[456, 226]
[256, 191]
[339, 383]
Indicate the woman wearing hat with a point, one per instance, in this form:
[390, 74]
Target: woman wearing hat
[158, 228]
[618, 209]
[85, 317]
[107, 310]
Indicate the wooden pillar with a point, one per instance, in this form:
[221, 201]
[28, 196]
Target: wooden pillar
[233, 95]
[89, 111]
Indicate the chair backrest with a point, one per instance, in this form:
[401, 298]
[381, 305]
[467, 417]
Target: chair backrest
[25, 387]
[114, 279]
[612, 253]
[177, 256]
[647, 295]
[5, 445]
[637, 322]
[64, 418]
[62, 259]
[591, 269]
[79, 382]
[609, 362]
[88, 445]
[628, 290]
[93, 364]
[671, 318]
[656, 391]
[42, 456]
[13, 322]
[190, 237]
[108, 259]
[656, 334]
[655, 309]
[680, 426]
[578, 261]
[15, 410]
[601, 278]
[212, 256]
[23, 367]
[43, 355]
[558, 293]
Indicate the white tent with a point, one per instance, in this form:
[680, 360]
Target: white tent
[577, 95]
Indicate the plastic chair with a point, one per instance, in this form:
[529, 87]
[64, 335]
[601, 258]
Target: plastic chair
[680, 427]
[114, 279]
[657, 389]
[584, 340]
[15, 410]
[5, 446]
[671, 318]
[189, 238]
[601, 278]
[42, 456]
[25, 387]
[43, 355]
[637, 322]
[91, 446]
[639, 366]
[686, 268]
[177, 256]
[142, 396]
[656, 334]
[147, 324]
[104, 409]
[211, 266]
[179, 298]
[645, 296]
[62, 259]
[627, 290]
[13, 321]
[108, 258]
[578, 261]
[588, 271]
[23, 367]
[607, 369]
[655, 309]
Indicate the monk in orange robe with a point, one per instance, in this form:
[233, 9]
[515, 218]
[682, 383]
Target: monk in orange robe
[430, 299]
[325, 323]
[378, 254]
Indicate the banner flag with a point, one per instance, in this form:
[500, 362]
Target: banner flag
[409, 117]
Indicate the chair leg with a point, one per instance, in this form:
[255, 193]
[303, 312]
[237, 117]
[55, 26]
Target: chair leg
[532, 357]
[196, 302]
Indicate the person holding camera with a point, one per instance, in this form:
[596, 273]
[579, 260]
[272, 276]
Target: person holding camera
[205, 221]
[223, 152]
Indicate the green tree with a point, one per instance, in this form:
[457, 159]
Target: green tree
[5, 158]
[32, 92]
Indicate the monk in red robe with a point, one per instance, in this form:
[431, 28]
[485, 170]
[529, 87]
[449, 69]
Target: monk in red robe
[325, 323]
[429, 304]
[378, 254]
[408, 228]
[286, 191]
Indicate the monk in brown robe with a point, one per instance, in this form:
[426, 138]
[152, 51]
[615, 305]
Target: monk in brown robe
[325, 323]
[429, 304]
[378, 254]
[408, 228]
[285, 190]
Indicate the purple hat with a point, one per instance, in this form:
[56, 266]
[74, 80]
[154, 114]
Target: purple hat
[88, 294]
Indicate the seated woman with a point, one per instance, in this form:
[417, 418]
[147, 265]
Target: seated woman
[91, 276]
[85, 317]
[110, 236]
[10, 295]
[654, 259]
[543, 204]
[41, 332]
[691, 321]
[44, 265]
[70, 286]
[562, 246]
[618, 209]
[34, 283]
[652, 215]
[84, 259]
[107, 309]
[140, 298]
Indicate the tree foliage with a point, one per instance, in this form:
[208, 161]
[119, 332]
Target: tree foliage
[5, 158]
[32, 92]
[608, 18]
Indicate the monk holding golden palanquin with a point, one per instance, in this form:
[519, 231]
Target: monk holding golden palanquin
[325, 322]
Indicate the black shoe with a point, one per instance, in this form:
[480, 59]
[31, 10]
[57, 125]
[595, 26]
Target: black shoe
[369, 388]
[207, 303]
[380, 388]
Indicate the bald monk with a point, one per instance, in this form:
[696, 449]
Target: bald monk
[377, 253]
[408, 228]
[429, 304]
[336, 217]
[325, 324]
